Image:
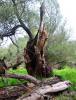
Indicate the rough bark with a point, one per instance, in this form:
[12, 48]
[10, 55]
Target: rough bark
[12, 92]
[45, 88]
[34, 52]
[43, 91]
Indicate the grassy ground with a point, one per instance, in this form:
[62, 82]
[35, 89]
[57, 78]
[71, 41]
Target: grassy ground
[12, 81]
[70, 96]
[67, 73]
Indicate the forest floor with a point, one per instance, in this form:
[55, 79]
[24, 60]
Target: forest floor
[67, 73]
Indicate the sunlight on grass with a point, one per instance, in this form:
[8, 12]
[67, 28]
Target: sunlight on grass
[67, 74]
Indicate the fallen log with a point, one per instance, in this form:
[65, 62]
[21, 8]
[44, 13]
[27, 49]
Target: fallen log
[25, 77]
[42, 91]
[12, 92]
[52, 80]
[34, 92]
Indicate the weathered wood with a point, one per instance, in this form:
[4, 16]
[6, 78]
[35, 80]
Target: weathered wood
[52, 80]
[42, 91]
[34, 58]
[25, 77]
[32, 91]
[12, 91]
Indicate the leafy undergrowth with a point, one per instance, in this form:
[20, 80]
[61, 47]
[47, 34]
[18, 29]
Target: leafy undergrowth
[12, 81]
[20, 70]
[67, 73]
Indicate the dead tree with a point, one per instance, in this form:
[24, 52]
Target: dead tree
[34, 52]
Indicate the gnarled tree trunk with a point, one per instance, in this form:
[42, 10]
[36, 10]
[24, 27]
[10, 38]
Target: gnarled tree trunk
[34, 52]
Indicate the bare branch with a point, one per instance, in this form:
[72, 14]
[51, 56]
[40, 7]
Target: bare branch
[25, 77]
[20, 20]
[42, 13]
[11, 32]
[13, 42]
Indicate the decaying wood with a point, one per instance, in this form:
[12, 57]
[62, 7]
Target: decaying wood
[34, 91]
[43, 90]
[52, 80]
[25, 77]
[11, 92]
[34, 58]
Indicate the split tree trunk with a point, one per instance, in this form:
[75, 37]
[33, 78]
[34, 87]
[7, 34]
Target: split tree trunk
[34, 52]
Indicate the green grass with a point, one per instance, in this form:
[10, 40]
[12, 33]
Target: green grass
[67, 73]
[65, 97]
[13, 81]
[20, 70]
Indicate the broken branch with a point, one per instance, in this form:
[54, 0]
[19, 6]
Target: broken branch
[25, 77]
[42, 91]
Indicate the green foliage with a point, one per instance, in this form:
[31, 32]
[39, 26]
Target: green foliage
[6, 13]
[9, 81]
[65, 97]
[56, 47]
[29, 13]
[12, 50]
[3, 52]
[20, 70]
[67, 74]
[59, 48]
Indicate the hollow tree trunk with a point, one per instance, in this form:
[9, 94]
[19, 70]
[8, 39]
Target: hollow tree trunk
[34, 56]
[34, 52]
